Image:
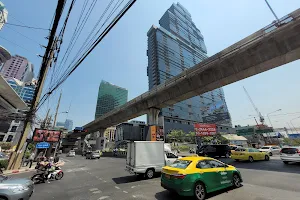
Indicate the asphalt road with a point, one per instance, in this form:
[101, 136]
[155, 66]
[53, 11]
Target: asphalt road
[105, 179]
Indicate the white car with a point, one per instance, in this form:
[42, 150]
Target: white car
[71, 153]
[271, 150]
[290, 154]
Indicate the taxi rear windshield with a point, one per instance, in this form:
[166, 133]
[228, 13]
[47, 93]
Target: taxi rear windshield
[181, 164]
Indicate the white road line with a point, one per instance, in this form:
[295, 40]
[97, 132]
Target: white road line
[104, 197]
[132, 186]
[93, 189]
[117, 187]
[97, 192]
[104, 181]
[100, 179]
[133, 196]
[125, 192]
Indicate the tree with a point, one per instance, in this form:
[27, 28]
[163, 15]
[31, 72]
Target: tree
[292, 142]
[5, 145]
[176, 136]
[190, 137]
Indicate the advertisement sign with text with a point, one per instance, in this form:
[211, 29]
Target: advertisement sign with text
[153, 133]
[216, 118]
[43, 135]
[205, 129]
[160, 133]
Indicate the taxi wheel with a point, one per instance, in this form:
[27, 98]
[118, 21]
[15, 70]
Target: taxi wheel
[251, 159]
[271, 154]
[267, 158]
[200, 192]
[236, 181]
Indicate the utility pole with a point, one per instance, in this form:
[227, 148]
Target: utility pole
[53, 126]
[43, 125]
[57, 107]
[16, 156]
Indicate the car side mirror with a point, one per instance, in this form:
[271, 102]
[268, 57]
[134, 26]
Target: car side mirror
[225, 166]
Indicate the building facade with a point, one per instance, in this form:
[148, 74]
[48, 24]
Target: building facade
[24, 90]
[68, 124]
[19, 68]
[172, 48]
[109, 97]
[3, 15]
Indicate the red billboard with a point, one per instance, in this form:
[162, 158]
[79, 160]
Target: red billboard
[205, 129]
[43, 135]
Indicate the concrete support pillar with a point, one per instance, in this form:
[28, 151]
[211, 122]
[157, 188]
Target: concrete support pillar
[100, 140]
[153, 116]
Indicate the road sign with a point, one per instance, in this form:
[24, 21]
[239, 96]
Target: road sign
[43, 145]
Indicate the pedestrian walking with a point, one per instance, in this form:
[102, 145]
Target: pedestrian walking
[31, 159]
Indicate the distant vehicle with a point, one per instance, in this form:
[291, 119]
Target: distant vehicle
[192, 150]
[271, 150]
[213, 150]
[71, 153]
[197, 176]
[15, 189]
[249, 154]
[147, 158]
[3, 156]
[290, 154]
[92, 154]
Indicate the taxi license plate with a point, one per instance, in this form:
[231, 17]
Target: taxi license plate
[167, 176]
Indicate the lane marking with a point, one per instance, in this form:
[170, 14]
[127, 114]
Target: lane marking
[125, 192]
[104, 197]
[104, 181]
[93, 189]
[117, 187]
[133, 196]
[97, 192]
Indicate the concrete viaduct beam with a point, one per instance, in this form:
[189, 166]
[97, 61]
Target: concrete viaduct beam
[270, 47]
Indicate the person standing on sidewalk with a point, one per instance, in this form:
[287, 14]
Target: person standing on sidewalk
[31, 159]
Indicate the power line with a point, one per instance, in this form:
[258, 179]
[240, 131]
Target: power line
[16, 44]
[24, 35]
[24, 26]
[99, 39]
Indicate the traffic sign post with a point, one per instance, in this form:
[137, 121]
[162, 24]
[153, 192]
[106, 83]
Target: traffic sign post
[42, 145]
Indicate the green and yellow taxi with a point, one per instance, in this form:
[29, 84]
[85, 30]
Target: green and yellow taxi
[197, 176]
[249, 154]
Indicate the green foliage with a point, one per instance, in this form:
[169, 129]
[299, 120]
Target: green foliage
[176, 136]
[292, 142]
[3, 164]
[5, 145]
[31, 147]
[27, 154]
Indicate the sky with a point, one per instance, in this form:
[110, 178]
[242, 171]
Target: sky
[121, 57]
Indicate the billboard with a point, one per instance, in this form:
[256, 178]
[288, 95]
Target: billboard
[205, 129]
[43, 135]
[157, 133]
[216, 117]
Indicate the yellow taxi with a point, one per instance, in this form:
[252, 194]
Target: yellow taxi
[250, 154]
[197, 176]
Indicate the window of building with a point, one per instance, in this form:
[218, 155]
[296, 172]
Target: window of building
[9, 138]
[13, 129]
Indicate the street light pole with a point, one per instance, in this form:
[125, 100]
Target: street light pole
[269, 117]
[272, 10]
[293, 124]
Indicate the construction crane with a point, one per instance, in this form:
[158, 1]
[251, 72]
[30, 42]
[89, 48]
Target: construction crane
[261, 118]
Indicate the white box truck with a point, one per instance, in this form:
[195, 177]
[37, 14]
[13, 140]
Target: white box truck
[147, 158]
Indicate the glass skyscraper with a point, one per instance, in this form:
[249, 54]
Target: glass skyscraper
[24, 90]
[109, 97]
[172, 48]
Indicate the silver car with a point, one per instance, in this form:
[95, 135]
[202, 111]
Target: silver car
[15, 189]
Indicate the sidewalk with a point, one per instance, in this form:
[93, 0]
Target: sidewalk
[21, 170]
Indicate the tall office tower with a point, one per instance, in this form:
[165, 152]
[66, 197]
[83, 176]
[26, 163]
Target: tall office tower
[109, 97]
[68, 124]
[19, 68]
[3, 15]
[172, 48]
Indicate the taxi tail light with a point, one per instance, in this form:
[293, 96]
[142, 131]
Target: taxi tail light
[298, 151]
[179, 176]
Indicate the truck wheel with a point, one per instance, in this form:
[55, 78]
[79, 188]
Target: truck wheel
[149, 173]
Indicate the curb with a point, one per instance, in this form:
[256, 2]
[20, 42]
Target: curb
[18, 171]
